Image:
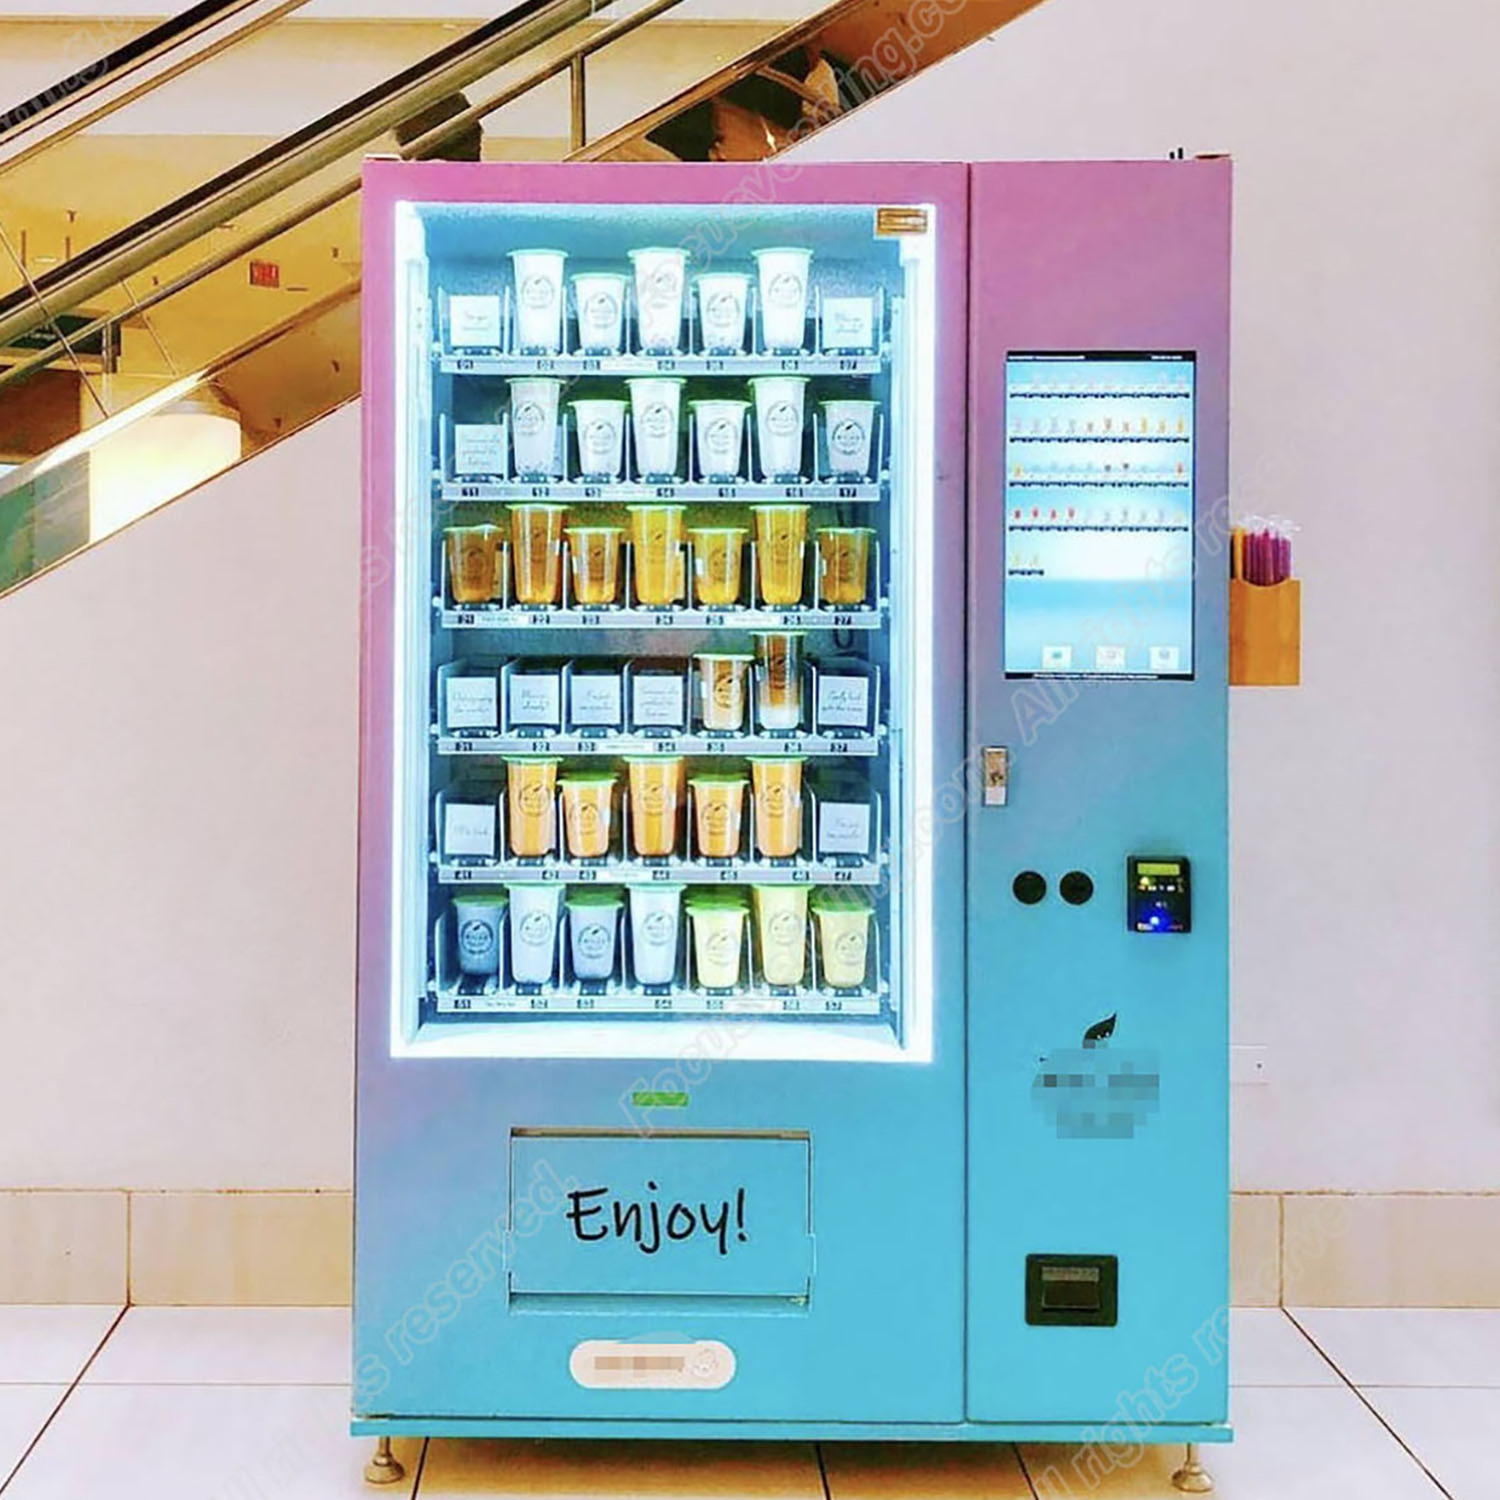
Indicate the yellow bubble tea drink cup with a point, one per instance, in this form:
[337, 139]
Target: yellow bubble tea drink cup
[722, 695]
[844, 564]
[778, 679]
[473, 553]
[655, 798]
[531, 803]
[781, 932]
[777, 782]
[719, 804]
[588, 799]
[717, 554]
[842, 918]
[536, 552]
[780, 545]
[718, 919]
[657, 533]
[595, 555]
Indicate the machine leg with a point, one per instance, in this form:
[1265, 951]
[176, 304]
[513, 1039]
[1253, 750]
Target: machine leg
[384, 1467]
[1192, 1478]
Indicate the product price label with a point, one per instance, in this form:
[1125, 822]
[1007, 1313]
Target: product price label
[658, 702]
[843, 701]
[843, 828]
[595, 701]
[469, 829]
[474, 322]
[472, 703]
[535, 699]
[478, 448]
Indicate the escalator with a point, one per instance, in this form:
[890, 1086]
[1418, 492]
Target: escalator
[153, 354]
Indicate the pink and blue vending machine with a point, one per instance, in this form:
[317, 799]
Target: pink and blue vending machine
[793, 858]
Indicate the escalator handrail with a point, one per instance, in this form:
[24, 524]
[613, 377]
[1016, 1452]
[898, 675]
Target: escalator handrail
[117, 64]
[291, 159]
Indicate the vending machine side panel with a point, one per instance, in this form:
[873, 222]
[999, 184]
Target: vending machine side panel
[1098, 873]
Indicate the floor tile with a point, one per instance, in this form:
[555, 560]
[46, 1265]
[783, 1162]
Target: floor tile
[1267, 1348]
[23, 1411]
[49, 1345]
[1408, 1346]
[1452, 1432]
[170, 1442]
[620, 1471]
[924, 1471]
[226, 1346]
[1303, 1443]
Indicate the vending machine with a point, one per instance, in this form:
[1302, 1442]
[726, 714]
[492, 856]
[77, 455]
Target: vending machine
[793, 871]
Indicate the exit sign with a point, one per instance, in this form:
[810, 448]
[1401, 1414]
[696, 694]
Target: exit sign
[265, 273]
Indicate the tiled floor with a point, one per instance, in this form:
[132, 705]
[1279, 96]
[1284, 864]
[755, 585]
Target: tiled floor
[251, 1404]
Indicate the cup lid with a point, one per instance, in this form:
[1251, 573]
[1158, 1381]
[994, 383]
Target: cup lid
[580, 527]
[766, 635]
[595, 895]
[658, 250]
[775, 760]
[653, 760]
[718, 401]
[546, 505]
[655, 505]
[722, 656]
[713, 899]
[635, 380]
[718, 778]
[538, 250]
[531, 760]
[718, 531]
[845, 531]
[782, 505]
[482, 898]
[475, 526]
[840, 898]
[782, 250]
[755, 380]
[587, 778]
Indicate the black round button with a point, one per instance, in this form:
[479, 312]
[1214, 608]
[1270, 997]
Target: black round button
[1029, 887]
[1075, 888]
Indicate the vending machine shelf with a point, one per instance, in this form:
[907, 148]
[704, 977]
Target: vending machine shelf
[673, 1001]
[684, 872]
[498, 617]
[629, 492]
[661, 364]
[645, 744]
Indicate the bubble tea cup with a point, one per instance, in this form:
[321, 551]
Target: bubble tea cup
[473, 552]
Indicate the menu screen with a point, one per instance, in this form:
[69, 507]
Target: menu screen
[1099, 515]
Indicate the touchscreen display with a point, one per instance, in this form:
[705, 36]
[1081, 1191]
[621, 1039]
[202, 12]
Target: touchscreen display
[1099, 515]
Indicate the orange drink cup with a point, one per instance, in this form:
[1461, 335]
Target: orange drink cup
[588, 812]
[656, 534]
[722, 698]
[655, 796]
[472, 551]
[778, 679]
[780, 541]
[842, 918]
[844, 564]
[531, 802]
[720, 804]
[595, 551]
[717, 551]
[781, 931]
[536, 547]
[777, 780]
[718, 919]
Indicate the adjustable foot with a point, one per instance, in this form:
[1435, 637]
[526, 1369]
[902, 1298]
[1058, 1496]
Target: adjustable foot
[384, 1467]
[1192, 1478]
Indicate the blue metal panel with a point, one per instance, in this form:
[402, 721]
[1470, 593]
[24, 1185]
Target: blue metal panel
[1078, 257]
[664, 1216]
